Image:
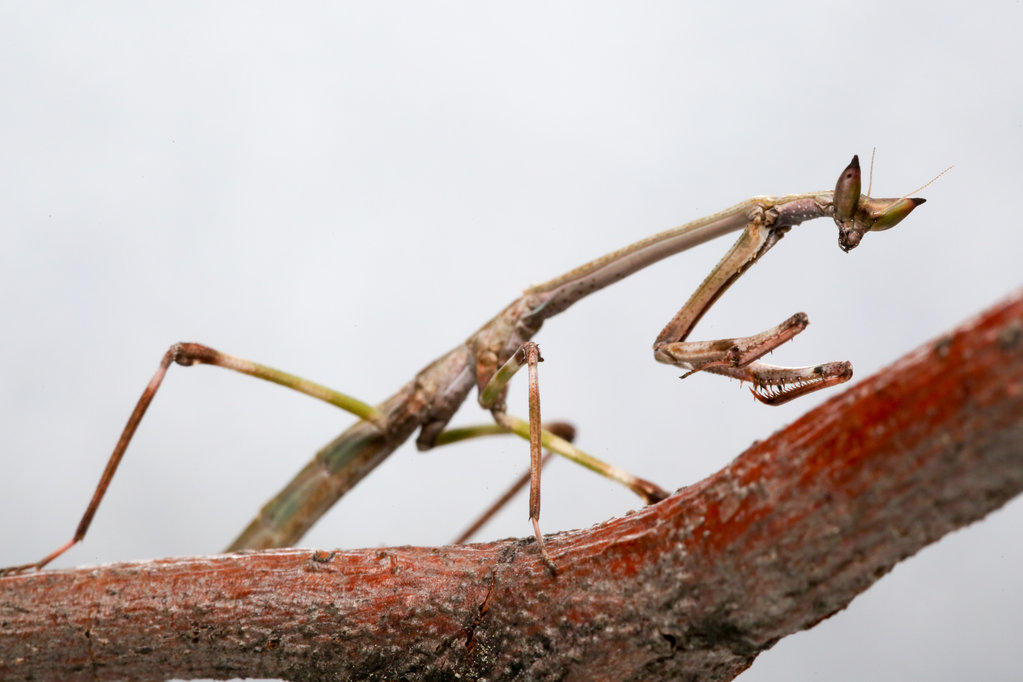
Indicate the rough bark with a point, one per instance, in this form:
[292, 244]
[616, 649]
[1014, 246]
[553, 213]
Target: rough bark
[691, 588]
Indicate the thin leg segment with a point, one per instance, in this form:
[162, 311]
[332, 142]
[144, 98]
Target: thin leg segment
[528, 354]
[563, 430]
[500, 502]
[549, 439]
[108, 473]
[187, 354]
[491, 395]
[533, 359]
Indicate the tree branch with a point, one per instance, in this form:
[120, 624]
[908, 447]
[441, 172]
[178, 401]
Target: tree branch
[691, 588]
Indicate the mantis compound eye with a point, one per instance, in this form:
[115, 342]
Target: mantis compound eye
[847, 202]
[847, 191]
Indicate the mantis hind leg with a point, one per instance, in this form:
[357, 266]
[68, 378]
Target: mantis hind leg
[187, 354]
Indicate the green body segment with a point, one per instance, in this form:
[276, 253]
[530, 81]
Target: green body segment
[432, 396]
[337, 468]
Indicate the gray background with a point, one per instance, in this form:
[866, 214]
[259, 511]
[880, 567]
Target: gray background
[347, 192]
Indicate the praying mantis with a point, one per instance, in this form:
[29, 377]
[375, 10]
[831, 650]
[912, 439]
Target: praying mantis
[490, 357]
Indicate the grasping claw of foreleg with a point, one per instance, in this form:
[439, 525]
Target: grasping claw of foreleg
[778, 385]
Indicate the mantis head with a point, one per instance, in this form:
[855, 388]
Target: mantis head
[856, 213]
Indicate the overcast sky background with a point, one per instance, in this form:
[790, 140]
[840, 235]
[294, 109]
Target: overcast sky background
[347, 192]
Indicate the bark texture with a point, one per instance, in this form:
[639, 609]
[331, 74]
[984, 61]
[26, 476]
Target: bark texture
[694, 587]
